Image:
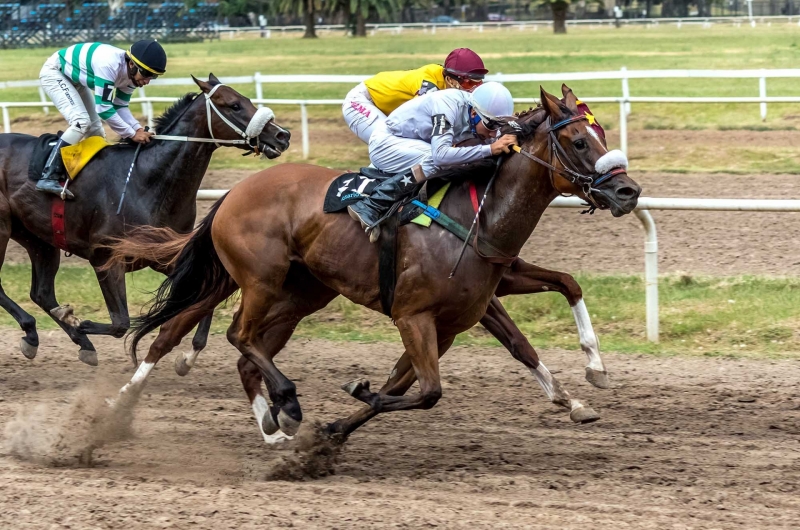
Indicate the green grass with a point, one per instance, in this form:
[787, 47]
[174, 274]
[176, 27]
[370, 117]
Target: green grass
[736, 316]
[506, 51]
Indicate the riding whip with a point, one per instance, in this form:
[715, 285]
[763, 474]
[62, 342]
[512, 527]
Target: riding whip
[130, 171]
[475, 219]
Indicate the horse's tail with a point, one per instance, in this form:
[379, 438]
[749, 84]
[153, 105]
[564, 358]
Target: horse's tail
[197, 278]
[145, 244]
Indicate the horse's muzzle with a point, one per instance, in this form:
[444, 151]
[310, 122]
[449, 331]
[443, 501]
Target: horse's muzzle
[274, 140]
[619, 194]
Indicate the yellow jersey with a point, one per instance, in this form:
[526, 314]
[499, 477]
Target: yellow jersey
[389, 90]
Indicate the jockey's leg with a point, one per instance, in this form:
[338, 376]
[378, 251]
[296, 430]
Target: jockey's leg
[361, 114]
[69, 102]
[95, 127]
[396, 155]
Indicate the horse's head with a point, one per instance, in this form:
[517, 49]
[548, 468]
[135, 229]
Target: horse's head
[569, 140]
[231, 116]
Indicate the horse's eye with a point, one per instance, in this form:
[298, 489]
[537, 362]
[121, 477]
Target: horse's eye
[236, 107]
[579, 144]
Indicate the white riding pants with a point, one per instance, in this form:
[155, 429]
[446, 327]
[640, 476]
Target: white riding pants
[396, 154]
[360, 112]
[74, 102]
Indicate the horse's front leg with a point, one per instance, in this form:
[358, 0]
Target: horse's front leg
[112, 285]
[500, 325]
[525, 278]
[185, 361]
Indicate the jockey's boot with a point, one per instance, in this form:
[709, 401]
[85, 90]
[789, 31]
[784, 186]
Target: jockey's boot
[369, 211]
[53, 169]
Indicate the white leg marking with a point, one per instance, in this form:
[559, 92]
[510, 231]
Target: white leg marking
[139, 377]
[190, 358]
[589, 342]
[545, 379]
[260, 407]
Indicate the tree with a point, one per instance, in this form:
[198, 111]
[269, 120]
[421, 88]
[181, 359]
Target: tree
[305, 8]
[559, 8]
[358, 11]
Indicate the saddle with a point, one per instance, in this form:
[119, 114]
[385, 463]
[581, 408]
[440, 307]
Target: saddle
[75, 157]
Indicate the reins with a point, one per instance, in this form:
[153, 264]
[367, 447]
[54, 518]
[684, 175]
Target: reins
[253, 130]
[587, 183]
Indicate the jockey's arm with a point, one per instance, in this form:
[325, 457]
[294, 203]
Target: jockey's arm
[442, 149]
[104, 99]
[122, 97]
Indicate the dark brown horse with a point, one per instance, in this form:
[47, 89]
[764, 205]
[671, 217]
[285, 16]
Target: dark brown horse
[269, 238]
[161, 193]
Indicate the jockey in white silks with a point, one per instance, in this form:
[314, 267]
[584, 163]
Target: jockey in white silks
[424, 132]
[90, 82]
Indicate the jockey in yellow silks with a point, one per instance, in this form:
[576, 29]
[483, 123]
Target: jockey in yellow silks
[367, 105]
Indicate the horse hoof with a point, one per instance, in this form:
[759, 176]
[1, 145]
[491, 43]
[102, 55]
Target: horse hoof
[27, 350]
[88, 357]
[356, 386]
[181, 367]
[268, 425]
[277, 438]
[66, 315]
[288, 425]
[597, 378]
[583, 414]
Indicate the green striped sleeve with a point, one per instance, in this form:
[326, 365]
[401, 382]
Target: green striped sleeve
[124, 96]
[106, 114]
[89, 69]
[76, 63]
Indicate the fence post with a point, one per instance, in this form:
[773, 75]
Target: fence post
[626, 89]
[142, 94]
[650, 272]
[762, 92]
[6, 120]
[259, 87]
[623, 127]
[304, 128]
[43, 99]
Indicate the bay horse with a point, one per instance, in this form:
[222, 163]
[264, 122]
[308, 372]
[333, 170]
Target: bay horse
[269, 237]
[162, 193]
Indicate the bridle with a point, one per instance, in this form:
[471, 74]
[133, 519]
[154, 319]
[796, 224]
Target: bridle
[249, 136]
[587, 183]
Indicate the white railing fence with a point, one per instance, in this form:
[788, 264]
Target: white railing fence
[623, 75]
[646, 204]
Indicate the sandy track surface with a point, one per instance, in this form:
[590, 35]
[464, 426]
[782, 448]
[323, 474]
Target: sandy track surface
[683, 443]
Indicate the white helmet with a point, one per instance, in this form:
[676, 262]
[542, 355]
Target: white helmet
[491, 100]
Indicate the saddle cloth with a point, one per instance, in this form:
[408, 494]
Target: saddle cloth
[75, 157]
[350, 188]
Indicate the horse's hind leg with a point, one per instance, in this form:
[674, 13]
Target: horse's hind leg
[29, 344]
[264, 414]
[525, 278]
[45, 260]
[499, 324]
[185, 361]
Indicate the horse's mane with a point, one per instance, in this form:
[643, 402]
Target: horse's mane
[526, 121]
[166, 120]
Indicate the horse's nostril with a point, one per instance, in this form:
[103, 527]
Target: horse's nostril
[626, 193]
[284, 136]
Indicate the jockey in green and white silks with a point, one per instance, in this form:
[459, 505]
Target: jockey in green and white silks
[91, 82]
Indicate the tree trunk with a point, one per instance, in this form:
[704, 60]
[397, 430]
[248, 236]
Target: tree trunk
[361, 24]
[308, 19]
[559, 16]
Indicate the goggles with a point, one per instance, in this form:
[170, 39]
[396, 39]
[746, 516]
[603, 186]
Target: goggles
[491, 125]
[466, 82]
[146, 73]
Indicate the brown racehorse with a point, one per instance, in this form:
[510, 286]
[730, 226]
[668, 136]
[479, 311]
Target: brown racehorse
[269, 238]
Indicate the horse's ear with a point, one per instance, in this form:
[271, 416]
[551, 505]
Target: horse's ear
[213, 80]
[205, 87]
[569, 98]
[552, 105]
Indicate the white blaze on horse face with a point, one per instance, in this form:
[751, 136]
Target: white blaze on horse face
[139, 377]
[587, 337]
[260, 407]
[596, 136]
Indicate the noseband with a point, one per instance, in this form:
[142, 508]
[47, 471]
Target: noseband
[254, 127]
[587, 183]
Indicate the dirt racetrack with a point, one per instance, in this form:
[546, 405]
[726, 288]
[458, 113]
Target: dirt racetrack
[683, 443]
